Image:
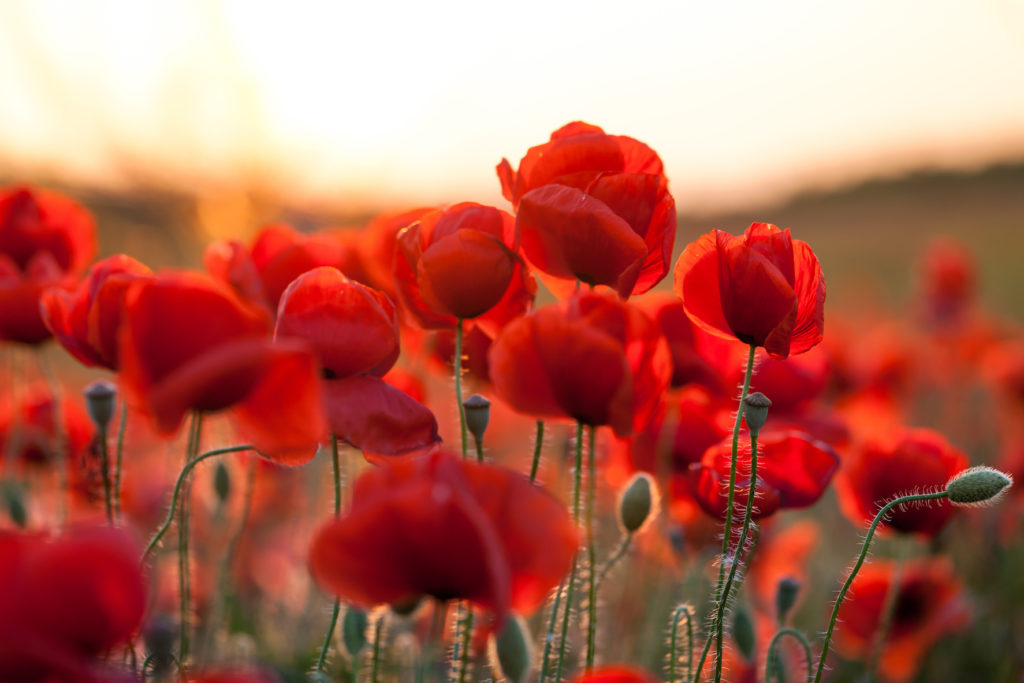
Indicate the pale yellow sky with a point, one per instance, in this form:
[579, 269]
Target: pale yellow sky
[375, 104]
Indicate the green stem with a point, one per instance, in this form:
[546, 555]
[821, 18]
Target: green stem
[885, 623]
[720, 621]
[538, 444]
[336, 609]
[619, 553]
[771, 664]
[727, 537]
[458, 386]
[591, 554]
[105, 467]
[117, 459]
[938, 495]
[577, 486]
[377, 637]
[184, 569]
[673, 658]
[549, 638]
[479, 449]
[467, 638]
[177, 491]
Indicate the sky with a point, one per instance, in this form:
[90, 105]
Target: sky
[375, 105]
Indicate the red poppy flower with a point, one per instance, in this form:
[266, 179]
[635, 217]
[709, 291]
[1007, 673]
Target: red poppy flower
[763, 288]
[456, 263]
[46, 240]
[697, 357]
[66, 601]
[616, 674]
[377, 242]
[793, 470]
[902, 462]
[189, 344]
[593, 358]
[86, 322]
[929, 605]
[594, 207]
[354, 332]
[450, 529]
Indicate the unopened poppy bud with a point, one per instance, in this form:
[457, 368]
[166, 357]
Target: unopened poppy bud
[353, 630]
[743, 634]
[786, 594]
[478, 415]
[637, 502]
[978, 487]
[100, 399]
[222, 482]
[16, 506]
[511, 650]
[755, 411]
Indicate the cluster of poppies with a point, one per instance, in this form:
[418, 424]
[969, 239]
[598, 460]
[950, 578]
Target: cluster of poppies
[608, 402]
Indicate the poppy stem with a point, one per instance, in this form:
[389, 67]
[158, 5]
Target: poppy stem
[463, 430]
[679, 612]
[119, 451]
[619, 553]
[105, 472]
[591, 553]
[549, 638]
[538, 445]
[576, 488]
[378, 631]
[938, 495]
[771, 669]
[336, 609]
[184, 570]
[727, 537]
[885, 623]
[467, 639]
[720, 617]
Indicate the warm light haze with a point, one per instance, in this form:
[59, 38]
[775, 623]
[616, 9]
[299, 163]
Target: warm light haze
[373, 105]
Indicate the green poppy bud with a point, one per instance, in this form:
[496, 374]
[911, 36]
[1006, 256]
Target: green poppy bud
[638, 502]
[100, 399]
[511, 650]
[978, 487]
[755, 411]
[478, 415]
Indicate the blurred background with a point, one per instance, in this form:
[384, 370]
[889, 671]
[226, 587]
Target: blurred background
[864, 128]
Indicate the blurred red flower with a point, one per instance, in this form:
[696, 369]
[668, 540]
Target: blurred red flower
[616, 674]
[459, 262]
[46, 240]
[929, 605]
[763, 288]
[450, 529]
[189, 344]
[353, 331]
[87, 322]
[592, 358]
[65, 601]
[898, 463]
[594, 207]
[377, 243]
[793, 470]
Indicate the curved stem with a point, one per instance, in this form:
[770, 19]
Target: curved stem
[885, 623]
[336, 609]
[734, 565]
[458, 386]
[938, 495]
[538, 444]
[117, 459]
[681, 610]
[177, 492]
[549, 638]
[727, 536]
[770, 665]
[591, 554]
[619, 553]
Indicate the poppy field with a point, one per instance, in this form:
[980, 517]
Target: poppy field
[557, 440]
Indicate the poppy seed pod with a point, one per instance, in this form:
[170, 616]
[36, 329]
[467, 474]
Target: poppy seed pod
[478, 415]
[755, 411]
[786, 594]
[100, 399]
[222, 482]
[511, 650]
[743, 634]
[978, 487]
[637, 502]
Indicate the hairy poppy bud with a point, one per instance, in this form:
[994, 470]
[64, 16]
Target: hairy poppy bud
[786, 594]
[478, 415]
[100, 399]
[511, 651]
[755, 411]
[743, 634]
[637, 502]
[978, 487]
[222, 482]
[353, 630]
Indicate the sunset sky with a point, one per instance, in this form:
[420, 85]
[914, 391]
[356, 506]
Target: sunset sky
[373, 105]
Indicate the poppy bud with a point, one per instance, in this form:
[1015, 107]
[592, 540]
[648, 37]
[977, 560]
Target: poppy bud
[478, 415]
[755, 411]
[222, 482]
[636, 502]
[511, 651]
[786, 594]
[353, 630]
[978, 487]
[100, 399]
[16, 506]
[743, 634]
